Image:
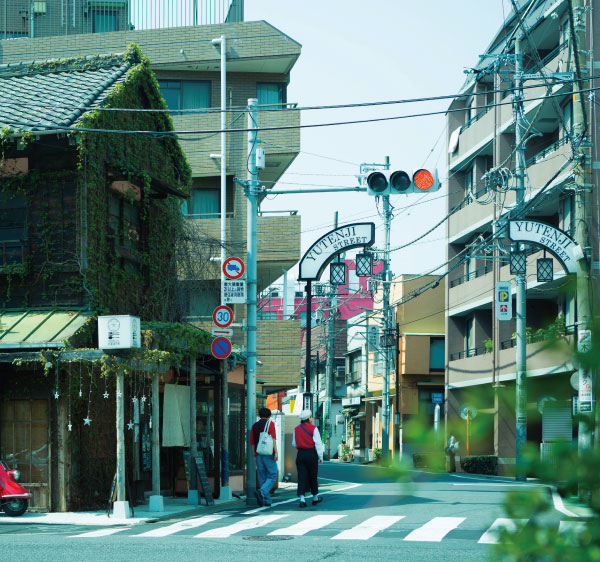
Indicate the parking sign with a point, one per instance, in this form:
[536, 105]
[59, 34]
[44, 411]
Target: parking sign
[503, 301]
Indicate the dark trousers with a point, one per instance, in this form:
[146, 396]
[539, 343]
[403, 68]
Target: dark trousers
[307, 463]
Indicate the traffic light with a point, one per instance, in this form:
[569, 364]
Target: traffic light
[399, 182]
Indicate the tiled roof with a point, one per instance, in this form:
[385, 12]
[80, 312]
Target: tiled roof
[30, 92]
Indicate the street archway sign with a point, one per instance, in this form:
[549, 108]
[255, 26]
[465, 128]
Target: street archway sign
[326, 248]
[556, 241]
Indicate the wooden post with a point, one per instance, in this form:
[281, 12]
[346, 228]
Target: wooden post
[64, 458]
[155, 436]
[121, 493]
[193, 440]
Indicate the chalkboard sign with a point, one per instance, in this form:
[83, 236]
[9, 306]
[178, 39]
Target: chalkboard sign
[197, 464]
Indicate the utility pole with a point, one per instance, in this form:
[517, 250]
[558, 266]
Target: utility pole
[326, 429]
[521, 358]
[251, 193]
[387, 322]
[583, 184]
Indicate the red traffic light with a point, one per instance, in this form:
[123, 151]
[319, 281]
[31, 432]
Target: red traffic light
[423, 179]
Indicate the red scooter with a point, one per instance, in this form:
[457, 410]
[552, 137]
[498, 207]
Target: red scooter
[13, 497]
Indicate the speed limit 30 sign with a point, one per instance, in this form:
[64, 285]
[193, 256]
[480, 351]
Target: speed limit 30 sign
[222, 316]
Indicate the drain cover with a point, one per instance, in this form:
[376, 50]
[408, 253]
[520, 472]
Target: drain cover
[271, 538]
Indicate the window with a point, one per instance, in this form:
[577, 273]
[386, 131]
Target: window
[104, 22]
[13, 233]
[185, 94]
[470, 334]
[469, 178]
[124, 229]
[271, 94]
[436, 354]
[567, 120]
[204, 301]
[353, 374]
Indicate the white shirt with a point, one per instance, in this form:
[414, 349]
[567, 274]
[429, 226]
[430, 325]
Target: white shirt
[316, 438]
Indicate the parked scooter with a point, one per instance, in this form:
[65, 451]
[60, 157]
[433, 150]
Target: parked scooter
[13, 497]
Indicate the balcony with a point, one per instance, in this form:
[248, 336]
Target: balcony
[474, 366]
[281, 145]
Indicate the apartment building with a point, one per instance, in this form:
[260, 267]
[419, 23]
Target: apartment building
[187, 66]
[480, 349]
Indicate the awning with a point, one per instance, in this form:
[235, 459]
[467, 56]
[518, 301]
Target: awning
[38, 328]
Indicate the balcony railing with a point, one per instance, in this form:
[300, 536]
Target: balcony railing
[471, 352]
[551, 55]
[548, 150]
[102, 16]
[541, 335]
[470, 276]
[476, 117]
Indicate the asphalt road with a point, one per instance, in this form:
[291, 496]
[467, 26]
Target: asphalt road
[366, 514]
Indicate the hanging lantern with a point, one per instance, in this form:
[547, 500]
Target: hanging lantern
[364, 264]
[337, 273]
[545, 270]
[518, 263]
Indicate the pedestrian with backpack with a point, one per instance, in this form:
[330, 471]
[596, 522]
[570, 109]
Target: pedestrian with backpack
[307, 440]
[264, 440]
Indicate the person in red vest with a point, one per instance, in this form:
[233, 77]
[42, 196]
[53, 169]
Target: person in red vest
[307, 440]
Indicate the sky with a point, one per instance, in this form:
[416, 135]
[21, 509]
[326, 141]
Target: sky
[355, 52]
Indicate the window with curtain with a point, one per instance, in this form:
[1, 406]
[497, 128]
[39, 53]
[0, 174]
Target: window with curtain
[204, 203]
[272, 94]
[185, 94]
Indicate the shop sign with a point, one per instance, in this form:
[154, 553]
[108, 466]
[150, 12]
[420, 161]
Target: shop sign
[353, 401]
[119, 332]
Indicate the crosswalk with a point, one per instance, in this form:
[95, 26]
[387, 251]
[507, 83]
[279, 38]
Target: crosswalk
[226, 525]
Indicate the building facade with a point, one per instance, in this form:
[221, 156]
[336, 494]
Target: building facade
[485, 142]
[187, 66]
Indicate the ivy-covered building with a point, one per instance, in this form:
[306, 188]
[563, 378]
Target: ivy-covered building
[91, 185]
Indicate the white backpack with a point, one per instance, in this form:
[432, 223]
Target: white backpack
[265, 442]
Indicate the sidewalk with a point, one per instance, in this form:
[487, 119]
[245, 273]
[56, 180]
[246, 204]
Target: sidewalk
[174, 507]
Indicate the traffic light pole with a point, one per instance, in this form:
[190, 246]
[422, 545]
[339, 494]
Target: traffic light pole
[385, 398]
[251, 193]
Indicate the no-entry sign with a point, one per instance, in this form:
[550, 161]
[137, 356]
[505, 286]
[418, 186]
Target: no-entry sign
[221, 348]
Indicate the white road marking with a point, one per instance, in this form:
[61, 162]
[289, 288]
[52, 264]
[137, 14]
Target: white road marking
[435, 530]
[310, 524]
[571, 526]
[369, 528]
[99, 533]
[244, 525]
[516, 484]
[275, 504]
[492, 535]
[559, 505]
[181, 526]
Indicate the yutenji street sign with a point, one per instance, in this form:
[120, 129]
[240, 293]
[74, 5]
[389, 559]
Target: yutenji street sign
[221, 348]
[222, 316]
[314, 261]
[503, 301]
[233, 291]
[556, 241]
[233, 268]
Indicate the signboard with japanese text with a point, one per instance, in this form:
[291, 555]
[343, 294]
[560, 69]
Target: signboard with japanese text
[584, 345]
[119, 332]
[233, 291]
[503, 301]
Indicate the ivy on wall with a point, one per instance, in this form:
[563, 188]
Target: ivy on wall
[75, 257]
